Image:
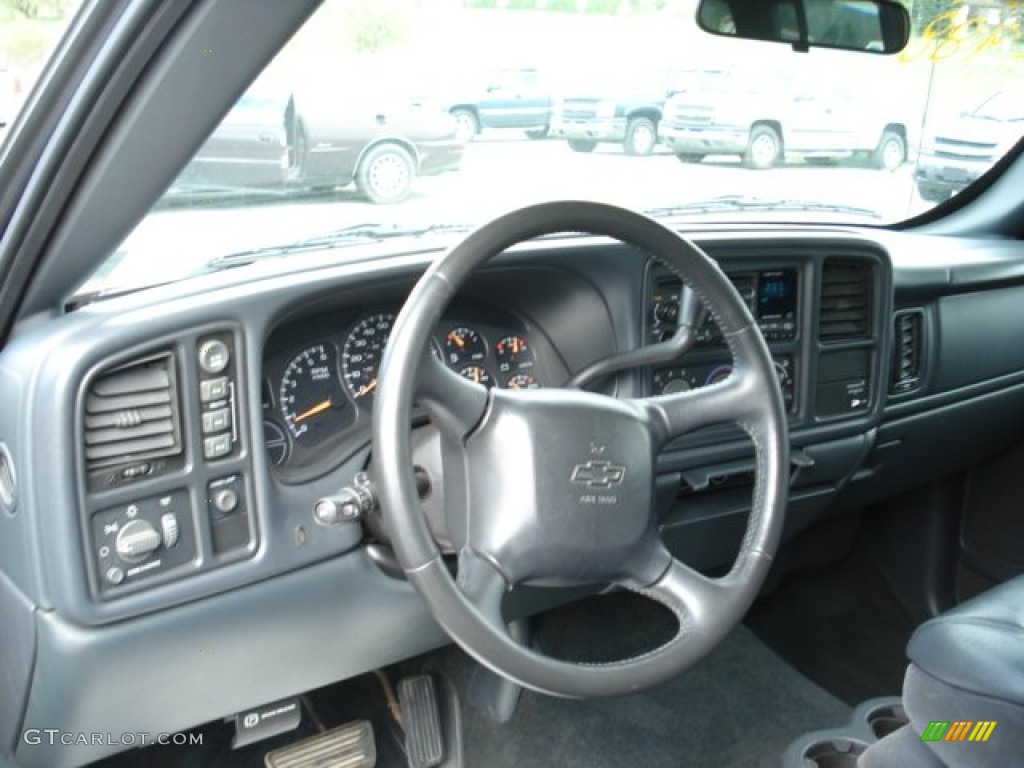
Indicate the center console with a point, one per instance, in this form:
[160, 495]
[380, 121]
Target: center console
[772, 296]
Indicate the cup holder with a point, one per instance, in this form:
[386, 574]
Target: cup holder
[834, 753]
[842, 747]
[884, 720]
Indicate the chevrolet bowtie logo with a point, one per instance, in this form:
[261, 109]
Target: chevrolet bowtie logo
[598, 474]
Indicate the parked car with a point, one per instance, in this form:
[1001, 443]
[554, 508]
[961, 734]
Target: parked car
[514, 97]
[961, 150]
[614, 109]
[283, 140]
[780, 112]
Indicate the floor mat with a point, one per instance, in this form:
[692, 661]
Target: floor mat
[841, 626]
[741, 706]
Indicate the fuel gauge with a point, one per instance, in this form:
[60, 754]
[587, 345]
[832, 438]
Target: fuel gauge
[464, 345]
[513, 354]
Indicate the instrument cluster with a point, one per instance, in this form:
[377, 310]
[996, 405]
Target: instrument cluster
[316, 393]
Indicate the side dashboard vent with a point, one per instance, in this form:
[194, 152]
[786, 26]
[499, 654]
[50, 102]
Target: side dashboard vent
[846, 292]
[132, 414]
[907, 351]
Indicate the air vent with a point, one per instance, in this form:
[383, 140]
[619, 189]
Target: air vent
[845, 301]
[132, 414]
[906, 351]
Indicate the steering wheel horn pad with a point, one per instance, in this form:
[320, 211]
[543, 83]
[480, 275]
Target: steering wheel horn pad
[555, 487]
[560, 489]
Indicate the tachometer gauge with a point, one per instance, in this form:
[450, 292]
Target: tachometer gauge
[464, 345]
[513, 354]
[313, 405]
[361, 354]
[478, 374]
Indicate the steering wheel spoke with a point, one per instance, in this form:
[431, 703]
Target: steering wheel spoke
[454, 403]
[484, 587]
[727, 402]
[696, 599]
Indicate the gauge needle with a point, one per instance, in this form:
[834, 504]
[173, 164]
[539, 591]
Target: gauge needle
[367, 388]
[320, 407]
[459, 341]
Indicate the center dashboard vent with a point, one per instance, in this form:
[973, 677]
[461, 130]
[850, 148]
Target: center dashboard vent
[907, 351]
[132, 415]
[846, 293]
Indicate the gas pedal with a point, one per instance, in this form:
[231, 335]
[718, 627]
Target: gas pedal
[421, 720]
[347, 746]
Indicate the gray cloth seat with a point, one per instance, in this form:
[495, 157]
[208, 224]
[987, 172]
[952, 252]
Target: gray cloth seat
[966, 666]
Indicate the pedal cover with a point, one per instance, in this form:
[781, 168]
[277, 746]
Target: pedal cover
[424, 745]
[347, 746]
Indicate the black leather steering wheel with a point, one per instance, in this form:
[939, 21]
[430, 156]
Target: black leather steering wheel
[554, 486]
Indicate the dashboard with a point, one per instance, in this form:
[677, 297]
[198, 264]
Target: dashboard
[207, 420]
[204, 454]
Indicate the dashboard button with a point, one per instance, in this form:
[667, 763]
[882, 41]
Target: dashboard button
[115, 575]
[216, 421]
[213, 355]
[213, 389]
[215, 447]
[225, 501]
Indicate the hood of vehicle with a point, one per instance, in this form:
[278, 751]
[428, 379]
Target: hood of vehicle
[980, 131]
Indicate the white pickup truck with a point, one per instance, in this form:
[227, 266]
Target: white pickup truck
[783, 113]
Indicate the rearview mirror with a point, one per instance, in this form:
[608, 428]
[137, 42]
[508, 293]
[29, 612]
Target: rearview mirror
[872, 26]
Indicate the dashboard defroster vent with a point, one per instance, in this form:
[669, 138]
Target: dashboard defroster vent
[846, 292]
[132, 414]
[906, 351]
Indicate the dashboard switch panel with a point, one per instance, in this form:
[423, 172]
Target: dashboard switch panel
[140, 539]
[218, 392]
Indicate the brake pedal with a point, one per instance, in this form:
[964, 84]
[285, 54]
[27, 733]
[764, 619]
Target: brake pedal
[347, 746]
[421, 719]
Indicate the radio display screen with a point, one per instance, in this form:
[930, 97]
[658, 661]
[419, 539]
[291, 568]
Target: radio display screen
[776, 294]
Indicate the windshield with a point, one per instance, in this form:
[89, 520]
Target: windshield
[424, 118]
[29, 31]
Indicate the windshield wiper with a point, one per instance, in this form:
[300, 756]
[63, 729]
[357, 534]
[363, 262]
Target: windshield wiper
[356, 234]
[741, 204]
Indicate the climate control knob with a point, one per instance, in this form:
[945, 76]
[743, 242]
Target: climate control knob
[137, 540]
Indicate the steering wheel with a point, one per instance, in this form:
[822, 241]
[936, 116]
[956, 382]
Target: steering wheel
[554, 486]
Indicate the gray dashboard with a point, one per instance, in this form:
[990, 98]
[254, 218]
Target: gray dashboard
[883, 342]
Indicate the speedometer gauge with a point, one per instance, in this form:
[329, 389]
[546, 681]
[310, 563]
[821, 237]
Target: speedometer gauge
[312, 402]
[361, 354]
